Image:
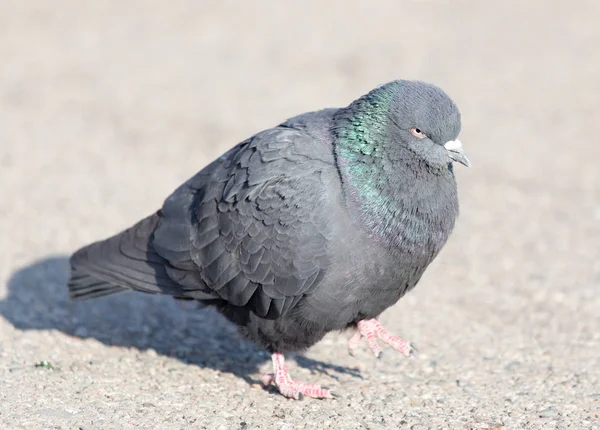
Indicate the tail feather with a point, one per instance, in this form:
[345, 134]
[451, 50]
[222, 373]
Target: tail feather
[124, 261]
[85, 287]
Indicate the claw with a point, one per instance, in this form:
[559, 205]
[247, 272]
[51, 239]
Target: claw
[413, 351]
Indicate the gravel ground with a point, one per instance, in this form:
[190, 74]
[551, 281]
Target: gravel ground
[105, 107]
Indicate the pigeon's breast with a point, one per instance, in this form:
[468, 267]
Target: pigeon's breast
[374, 265]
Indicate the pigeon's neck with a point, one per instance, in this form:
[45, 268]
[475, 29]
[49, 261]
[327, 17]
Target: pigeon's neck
[393, 193]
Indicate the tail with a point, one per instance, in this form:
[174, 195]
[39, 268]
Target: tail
[85, 287]
[124, 261]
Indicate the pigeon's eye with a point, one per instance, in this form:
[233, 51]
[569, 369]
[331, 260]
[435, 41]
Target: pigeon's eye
[417, 133]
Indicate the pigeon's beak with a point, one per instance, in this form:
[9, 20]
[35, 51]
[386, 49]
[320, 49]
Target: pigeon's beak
[456, 153]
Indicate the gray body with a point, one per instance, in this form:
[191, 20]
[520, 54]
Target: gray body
[272, 234]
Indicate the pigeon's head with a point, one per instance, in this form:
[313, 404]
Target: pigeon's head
[426, 121]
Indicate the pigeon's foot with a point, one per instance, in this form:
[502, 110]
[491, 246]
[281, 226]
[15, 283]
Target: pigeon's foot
[373, 330]
[290, 388]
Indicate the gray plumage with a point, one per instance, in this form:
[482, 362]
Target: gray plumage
[305, 228]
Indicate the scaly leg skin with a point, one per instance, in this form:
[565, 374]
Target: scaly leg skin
[373, 330]
[290, 388]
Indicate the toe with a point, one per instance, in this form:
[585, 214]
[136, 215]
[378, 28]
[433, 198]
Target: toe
[267, 379]
[320, 394]
[375, 348]
[298, 393]
[353, 343]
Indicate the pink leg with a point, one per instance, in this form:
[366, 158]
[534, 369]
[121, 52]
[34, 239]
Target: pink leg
[372, 330]
[287, 386]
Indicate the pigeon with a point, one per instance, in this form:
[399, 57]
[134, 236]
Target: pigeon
[316, 225]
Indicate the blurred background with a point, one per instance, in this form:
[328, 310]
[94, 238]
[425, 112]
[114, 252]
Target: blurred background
[106, 107]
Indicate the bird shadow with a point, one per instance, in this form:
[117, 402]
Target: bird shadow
[37, 300]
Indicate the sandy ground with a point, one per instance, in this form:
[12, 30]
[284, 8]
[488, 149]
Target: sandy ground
[105, 107]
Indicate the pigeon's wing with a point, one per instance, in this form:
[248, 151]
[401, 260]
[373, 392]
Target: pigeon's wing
[252, 225]
[249, 229]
